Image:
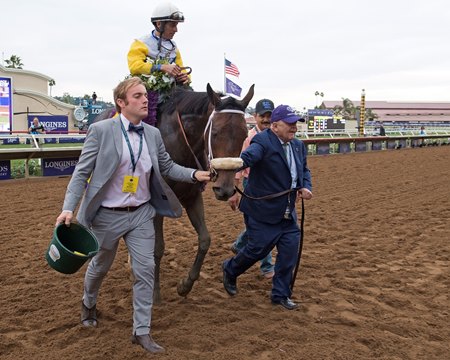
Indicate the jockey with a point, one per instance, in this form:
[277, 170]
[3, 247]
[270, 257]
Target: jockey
[157, 51]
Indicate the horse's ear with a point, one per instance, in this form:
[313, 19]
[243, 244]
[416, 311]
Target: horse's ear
[213, 97]
[245, 101]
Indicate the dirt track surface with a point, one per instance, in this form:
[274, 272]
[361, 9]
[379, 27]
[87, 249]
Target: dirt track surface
[374, 280]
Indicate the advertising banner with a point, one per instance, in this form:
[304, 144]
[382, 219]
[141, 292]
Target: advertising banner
[323, 149]
[11, 141]
[5, 104]
[58, 167]
[5, 169]
[56, 124]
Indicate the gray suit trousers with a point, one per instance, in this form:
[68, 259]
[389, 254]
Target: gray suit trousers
[139, 234]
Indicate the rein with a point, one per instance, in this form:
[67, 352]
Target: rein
[267, 197]
[187, 142]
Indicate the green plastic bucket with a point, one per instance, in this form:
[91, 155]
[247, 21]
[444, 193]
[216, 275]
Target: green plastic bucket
[70, 247]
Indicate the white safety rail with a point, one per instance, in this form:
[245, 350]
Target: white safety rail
[35, 138]
[389, 132]
[38, 150]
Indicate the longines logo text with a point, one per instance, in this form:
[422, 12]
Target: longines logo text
[61, 165]
[53, 125]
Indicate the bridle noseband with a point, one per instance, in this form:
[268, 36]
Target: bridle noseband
[219, 163]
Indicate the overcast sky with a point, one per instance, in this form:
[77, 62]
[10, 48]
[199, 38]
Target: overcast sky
[397, 50]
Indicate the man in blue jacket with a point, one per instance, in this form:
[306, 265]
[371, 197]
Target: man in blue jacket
[278, 164]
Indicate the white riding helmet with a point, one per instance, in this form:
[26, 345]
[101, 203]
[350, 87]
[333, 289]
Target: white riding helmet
[167, 11]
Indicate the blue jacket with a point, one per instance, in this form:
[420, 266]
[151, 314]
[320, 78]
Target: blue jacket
[270, 174]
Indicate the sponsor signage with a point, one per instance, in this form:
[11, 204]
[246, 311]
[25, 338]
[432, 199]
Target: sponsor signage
[11, 141]
[320, 112]
[57, 124]
[323, 149]
[71, 140]
[5, 170]
[5, 104]
[58, 167]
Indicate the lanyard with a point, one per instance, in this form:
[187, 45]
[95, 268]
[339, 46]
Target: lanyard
[133, 162]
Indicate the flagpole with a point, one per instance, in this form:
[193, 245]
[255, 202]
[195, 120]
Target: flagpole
[224, 75]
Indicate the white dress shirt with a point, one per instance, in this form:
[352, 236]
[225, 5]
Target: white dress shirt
[113, 195]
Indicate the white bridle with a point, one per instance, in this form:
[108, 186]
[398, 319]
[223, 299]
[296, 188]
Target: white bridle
[228, 163]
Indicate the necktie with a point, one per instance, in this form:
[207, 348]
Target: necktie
[137, 129]
[286, 153]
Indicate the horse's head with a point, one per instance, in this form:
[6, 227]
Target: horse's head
[224, 135]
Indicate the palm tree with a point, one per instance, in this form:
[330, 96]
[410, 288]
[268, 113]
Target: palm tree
[321, 103]
[14, 62]
[51, 83]
[370, 115]
[347, 110]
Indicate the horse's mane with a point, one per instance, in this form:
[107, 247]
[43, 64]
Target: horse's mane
[186, 101]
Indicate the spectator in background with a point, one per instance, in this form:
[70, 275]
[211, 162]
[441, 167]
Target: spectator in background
[382, 130]
[422, 132]
[36, 127]
[263, 112]
[94, 98]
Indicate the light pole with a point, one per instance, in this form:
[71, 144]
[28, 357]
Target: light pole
[362, 112]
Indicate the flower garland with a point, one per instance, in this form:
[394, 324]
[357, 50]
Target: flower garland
[158, 80]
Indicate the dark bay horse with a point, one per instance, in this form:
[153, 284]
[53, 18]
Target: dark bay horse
[214, 130]
[199, 129]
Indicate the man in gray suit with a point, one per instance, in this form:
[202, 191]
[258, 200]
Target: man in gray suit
[125, 160]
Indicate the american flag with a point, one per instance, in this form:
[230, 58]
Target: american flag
[231, 69]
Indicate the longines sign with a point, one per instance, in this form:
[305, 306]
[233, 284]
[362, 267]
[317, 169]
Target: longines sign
[5, 170]
[58, 167]
[52, 124]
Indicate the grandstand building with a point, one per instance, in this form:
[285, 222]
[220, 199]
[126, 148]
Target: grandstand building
[24, 95]
[404, 114]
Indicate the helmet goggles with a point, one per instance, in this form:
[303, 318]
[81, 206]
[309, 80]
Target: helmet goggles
[175, 16]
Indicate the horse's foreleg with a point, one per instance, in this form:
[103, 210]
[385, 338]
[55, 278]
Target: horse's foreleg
[159, 252]
[196, 216]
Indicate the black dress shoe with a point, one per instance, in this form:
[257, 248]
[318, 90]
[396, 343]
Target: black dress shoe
[147, 343]
[229, 283]
[88, 316]
[286, 303]
[234, 249]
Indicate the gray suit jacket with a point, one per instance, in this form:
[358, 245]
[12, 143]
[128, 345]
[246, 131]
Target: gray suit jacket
[99, 160]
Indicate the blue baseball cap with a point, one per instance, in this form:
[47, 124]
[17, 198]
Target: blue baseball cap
[286, 114]
[264, 106]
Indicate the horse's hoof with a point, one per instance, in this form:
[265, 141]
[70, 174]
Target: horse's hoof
[183, 288]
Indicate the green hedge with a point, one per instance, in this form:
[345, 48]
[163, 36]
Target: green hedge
[18, 168]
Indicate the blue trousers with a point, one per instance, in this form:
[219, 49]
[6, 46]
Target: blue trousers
[263, 237]
[266, 265]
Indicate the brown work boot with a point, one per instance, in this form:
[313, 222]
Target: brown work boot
[88, 316]
[147, 343]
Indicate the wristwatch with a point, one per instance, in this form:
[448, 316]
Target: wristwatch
[193, 176]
